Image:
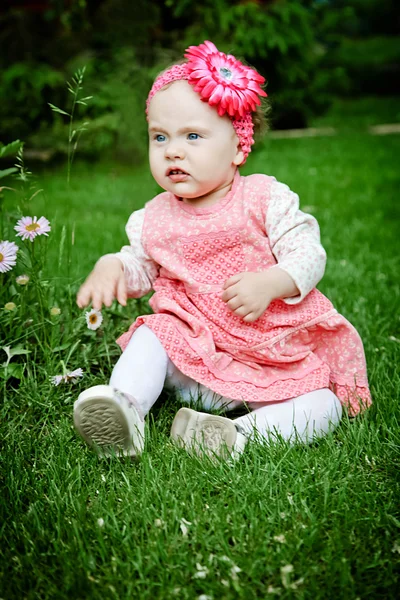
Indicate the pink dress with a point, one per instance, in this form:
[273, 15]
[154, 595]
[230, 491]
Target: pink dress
[185, 253]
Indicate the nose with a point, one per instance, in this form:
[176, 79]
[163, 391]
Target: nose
[174, 150]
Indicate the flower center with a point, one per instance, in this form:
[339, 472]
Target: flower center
[93, 319]
[226, 73]
[32, 227]
[1, 257]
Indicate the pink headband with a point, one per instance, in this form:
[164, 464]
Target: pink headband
[223, 82]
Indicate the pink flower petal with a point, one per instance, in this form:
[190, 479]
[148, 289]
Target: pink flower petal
[209, 88]
[210, 46]
[198, 73]
[194, 51]
[235, 102]
[216, 95]
[256, 88]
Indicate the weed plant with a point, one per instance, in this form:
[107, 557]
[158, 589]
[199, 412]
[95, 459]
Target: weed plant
[285, 521]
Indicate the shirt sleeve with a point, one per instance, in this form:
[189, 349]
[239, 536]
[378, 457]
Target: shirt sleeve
[295, 240]
[140, 270]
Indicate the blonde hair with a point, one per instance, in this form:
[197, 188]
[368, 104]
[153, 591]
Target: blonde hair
[261, 119]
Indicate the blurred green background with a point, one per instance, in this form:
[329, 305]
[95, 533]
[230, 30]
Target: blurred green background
[317, 55]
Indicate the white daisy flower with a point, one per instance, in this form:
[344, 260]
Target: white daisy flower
[70, 377]
[94, 319]
[73, 376]
[28, 228]
[8, 255]
[57, 379]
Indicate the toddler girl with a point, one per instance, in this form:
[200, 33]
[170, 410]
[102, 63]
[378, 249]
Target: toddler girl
[233, 263]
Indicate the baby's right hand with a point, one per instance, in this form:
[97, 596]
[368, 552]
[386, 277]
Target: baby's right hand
[105, 282]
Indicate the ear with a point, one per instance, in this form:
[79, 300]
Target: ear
[239, 156]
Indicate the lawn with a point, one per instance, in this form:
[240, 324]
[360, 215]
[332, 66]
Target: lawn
[319, 521]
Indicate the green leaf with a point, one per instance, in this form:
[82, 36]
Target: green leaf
[13, 370]
[58, 110]
[35, 194]
[6, 172]
[394, 520]
[14, 351]
[11, 148]
[62, 347]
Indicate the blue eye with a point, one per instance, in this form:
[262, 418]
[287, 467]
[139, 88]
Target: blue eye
[193, 136]
[160, 138]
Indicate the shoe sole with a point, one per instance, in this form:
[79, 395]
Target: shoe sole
[203, 433]
[103, 424]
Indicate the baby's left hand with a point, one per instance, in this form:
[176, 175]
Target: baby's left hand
[248, 295]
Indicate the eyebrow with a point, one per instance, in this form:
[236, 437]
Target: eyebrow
[187, 129]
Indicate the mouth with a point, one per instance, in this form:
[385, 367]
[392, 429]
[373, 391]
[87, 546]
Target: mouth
[176, 175]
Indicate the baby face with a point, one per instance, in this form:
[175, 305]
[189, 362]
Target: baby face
[193, 151]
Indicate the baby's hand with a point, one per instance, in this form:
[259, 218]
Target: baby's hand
[248, 295]
[105, 282]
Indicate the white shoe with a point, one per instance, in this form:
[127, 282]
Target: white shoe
[108, 421]
[203, 433]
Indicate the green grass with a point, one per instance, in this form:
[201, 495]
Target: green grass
[360, 113]
[330, 510]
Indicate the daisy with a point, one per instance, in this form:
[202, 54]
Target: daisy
[22, 279]
[73, 376]
[94, 319]
[70, 377]
[57, 379]
[29, 228]
[55, 311]
[8, 255]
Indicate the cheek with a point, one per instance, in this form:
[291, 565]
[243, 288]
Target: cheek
[154, 160]
[211, 157]
[222, 150]
[156, 170]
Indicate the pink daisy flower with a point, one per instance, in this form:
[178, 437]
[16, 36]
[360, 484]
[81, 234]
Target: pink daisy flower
[29, 228]
[223, 81]
[8, 256]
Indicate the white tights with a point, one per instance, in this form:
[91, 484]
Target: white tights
[144, 368]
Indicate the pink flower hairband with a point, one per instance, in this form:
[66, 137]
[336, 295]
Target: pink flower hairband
[222, 81]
